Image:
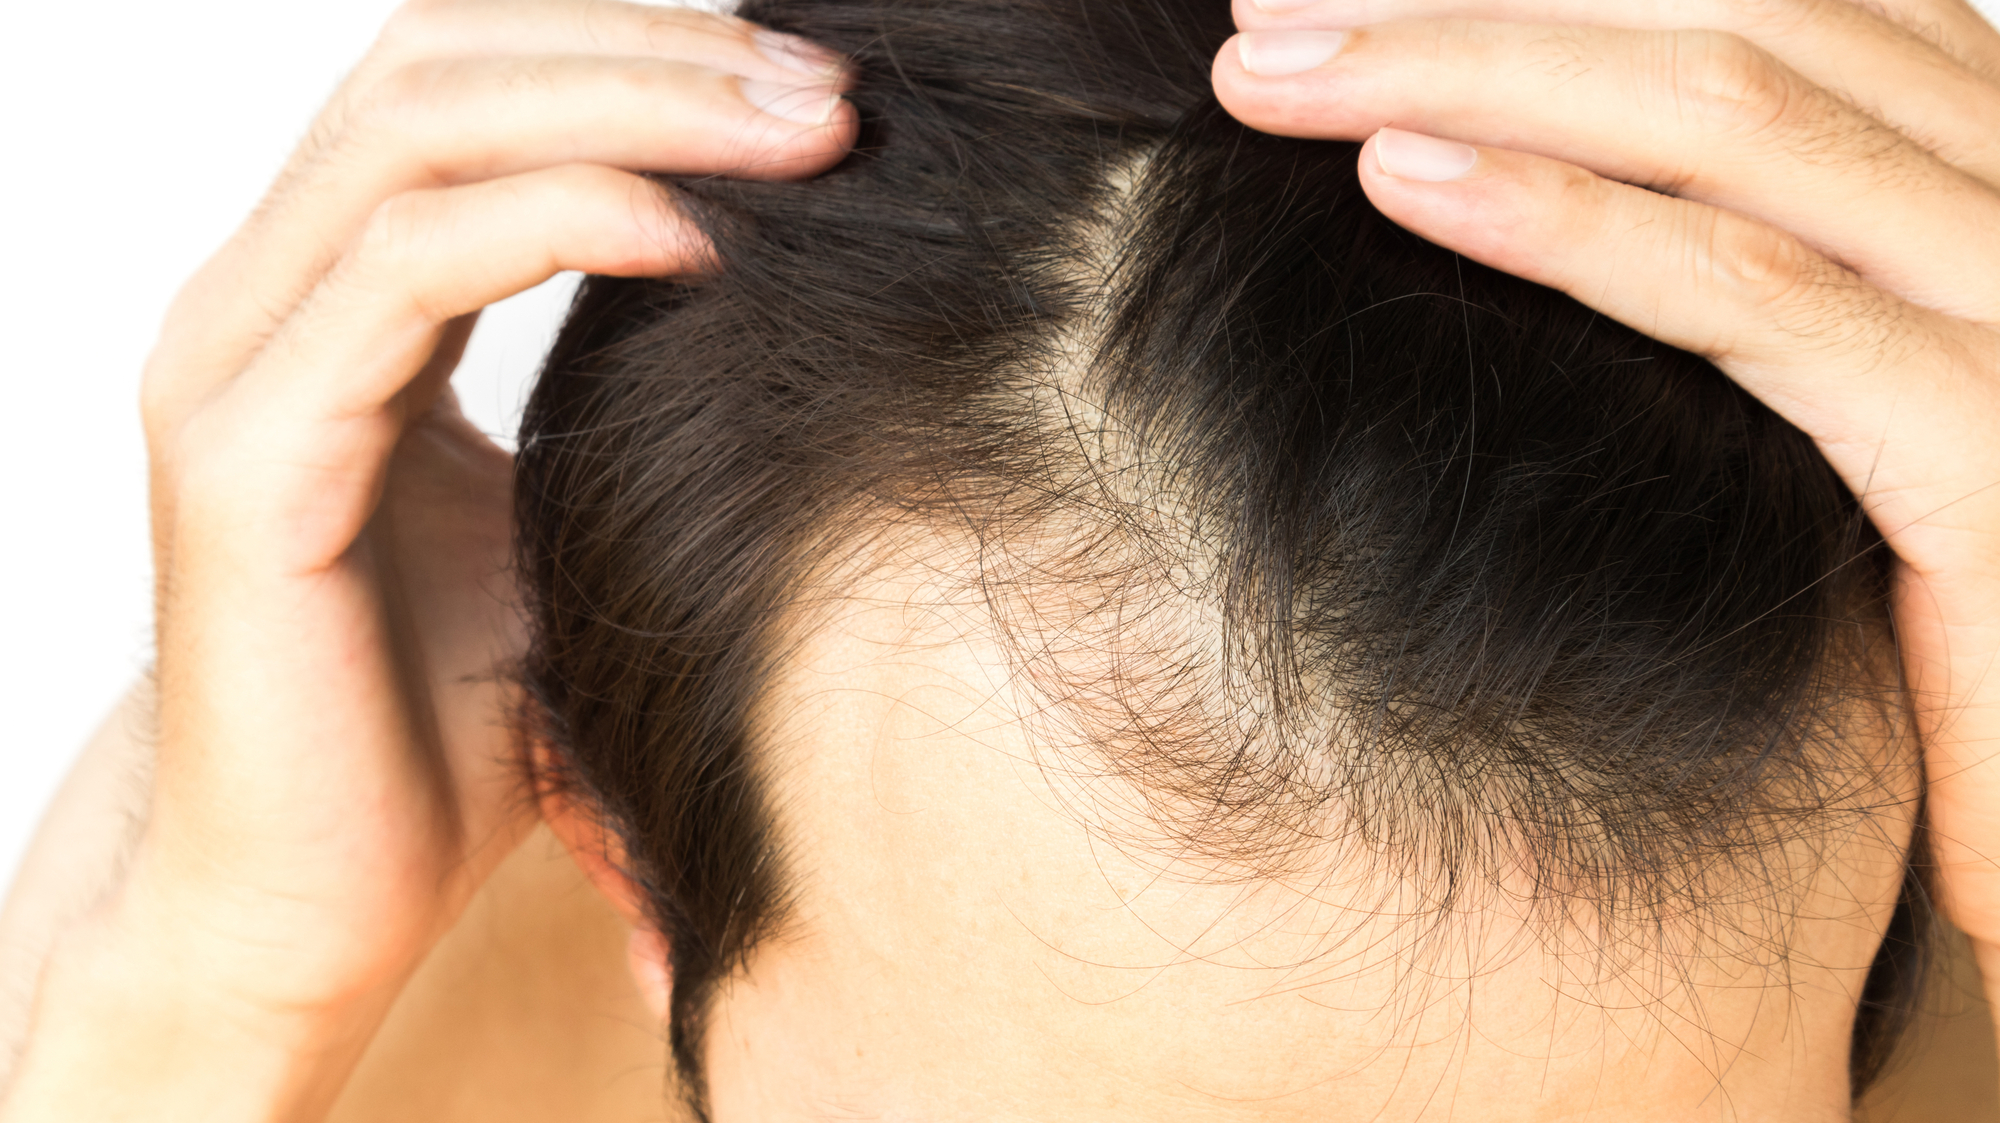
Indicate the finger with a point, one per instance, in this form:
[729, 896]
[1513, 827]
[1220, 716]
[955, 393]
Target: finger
[1951, 659]
[434, 29]
[296, 446]
[1893, 394]
[429, 257]
[454, 121]
[450, 121]
[1889, 70]
[1704, 115]
[1816, 26]
[474, 88]
[519, 36]
[442, 123]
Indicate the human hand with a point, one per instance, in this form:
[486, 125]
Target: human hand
[1805, 192]
[336, 771]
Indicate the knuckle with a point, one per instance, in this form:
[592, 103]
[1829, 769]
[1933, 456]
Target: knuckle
[1576, 191]
[389, 229]
[1721, 79]
[394, 77]
[1724, 85]
[1768, 267]
[395, 241]
[374, 118]
[397, 96]
[1781, 282]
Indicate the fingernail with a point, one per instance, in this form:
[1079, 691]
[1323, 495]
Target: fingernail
[1272, 54]
[1423, 158]
[801, 56]
[806, 105]
[1284, 5]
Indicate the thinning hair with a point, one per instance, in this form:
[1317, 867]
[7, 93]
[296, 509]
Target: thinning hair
[1309, 530]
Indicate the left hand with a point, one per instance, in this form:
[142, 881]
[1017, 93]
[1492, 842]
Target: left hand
[1806, 192]
[337, 768]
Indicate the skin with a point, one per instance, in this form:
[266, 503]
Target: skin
[332, 784]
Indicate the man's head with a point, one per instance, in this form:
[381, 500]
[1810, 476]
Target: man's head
[1079, 599]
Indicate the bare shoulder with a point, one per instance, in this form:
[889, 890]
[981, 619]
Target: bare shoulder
[522, 1014]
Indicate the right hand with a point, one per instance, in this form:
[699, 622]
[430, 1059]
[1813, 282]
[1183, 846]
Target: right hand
[337, 770]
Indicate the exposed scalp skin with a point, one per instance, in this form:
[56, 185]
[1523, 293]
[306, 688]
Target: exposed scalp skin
[1313, 544]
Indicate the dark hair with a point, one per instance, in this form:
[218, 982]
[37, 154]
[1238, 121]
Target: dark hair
[1507, 581]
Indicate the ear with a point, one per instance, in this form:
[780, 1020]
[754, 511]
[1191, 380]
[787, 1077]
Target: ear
[596, 850]
[646, 959]
[600, 854]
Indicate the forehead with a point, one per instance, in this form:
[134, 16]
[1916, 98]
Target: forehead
[957, 928]
[965, 943]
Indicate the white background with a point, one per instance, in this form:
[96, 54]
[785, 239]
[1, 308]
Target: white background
[138, 133]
